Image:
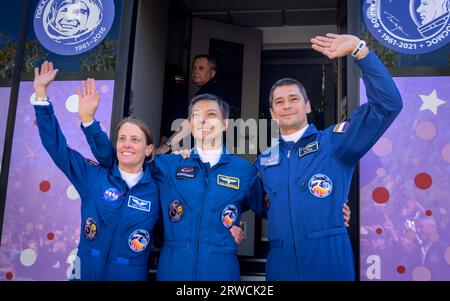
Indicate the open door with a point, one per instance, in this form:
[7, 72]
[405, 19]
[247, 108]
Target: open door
[238, 53]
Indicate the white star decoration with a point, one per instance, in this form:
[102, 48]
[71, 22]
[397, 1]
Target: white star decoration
[431, 102]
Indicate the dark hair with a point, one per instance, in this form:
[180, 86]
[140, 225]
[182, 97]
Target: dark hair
[223, 105]
[141, 124]
[211, 61]
[287, 82]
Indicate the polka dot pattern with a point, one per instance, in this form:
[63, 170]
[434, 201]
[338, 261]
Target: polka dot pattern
[28, 257]
[426, 130]
[380, 195]
[44, 186]
[423, 180]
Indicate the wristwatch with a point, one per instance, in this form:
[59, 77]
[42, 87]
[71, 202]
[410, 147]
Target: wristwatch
[358, 48]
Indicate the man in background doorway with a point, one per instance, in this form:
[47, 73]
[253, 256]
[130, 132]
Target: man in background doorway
[204, 75]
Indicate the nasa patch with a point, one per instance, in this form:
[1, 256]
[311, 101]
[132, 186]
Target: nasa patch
[70, 27]
[320, 185]
[139, 240]
[111, 194]
[411, 27]
[229, 215]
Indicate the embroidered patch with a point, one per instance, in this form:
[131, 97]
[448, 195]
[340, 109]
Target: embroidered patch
[228, 181]
[175, 210]
[186, 172]
[135, 203]
[320, 185]
[139, 240]
[111, 194]
[229, 215]
[341, 127]
[309, 148]
[90, 229]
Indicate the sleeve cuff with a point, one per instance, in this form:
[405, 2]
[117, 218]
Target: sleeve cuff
[92, 129]
[44, 109]
[86, 124]
[41, 103]
[368, 60]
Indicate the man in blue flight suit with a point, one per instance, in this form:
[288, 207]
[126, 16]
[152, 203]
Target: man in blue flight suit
[119, 205]
[307, 175]
[202, 197]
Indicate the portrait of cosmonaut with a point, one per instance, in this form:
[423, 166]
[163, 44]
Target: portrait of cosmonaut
[72, 21]
[409, 26]
[431, 15]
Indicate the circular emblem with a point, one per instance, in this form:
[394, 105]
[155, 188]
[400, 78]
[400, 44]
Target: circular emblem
[411, 27]
[175, 210]
[139, 240]
[229, 215]
[111, 194]
[90, 228]
[320, 185]
[69, 27]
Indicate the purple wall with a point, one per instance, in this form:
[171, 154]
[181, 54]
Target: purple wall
[404, 180]
[42, 215]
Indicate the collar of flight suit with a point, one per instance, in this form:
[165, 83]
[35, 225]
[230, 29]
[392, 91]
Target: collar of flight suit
[310, 131]
[146, 177]
[224, 157]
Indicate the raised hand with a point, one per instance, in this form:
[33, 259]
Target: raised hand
[334, 46]
[43, 78]
[88, 100]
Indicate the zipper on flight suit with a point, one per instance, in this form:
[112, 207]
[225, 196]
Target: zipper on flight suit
[290, 209]
[206, 171]
[110, 239]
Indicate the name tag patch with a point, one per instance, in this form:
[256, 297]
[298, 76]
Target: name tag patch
[138, 204]
[228, 181]
[186, 172]
[308, 149]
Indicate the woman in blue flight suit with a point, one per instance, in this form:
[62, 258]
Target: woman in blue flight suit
[201, 197]
[119, 205]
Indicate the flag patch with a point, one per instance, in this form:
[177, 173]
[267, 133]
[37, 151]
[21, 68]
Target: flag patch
[341, 127]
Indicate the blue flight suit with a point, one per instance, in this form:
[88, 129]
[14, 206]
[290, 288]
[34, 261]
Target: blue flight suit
[199, 205]
[116, 221]
[308, 182]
